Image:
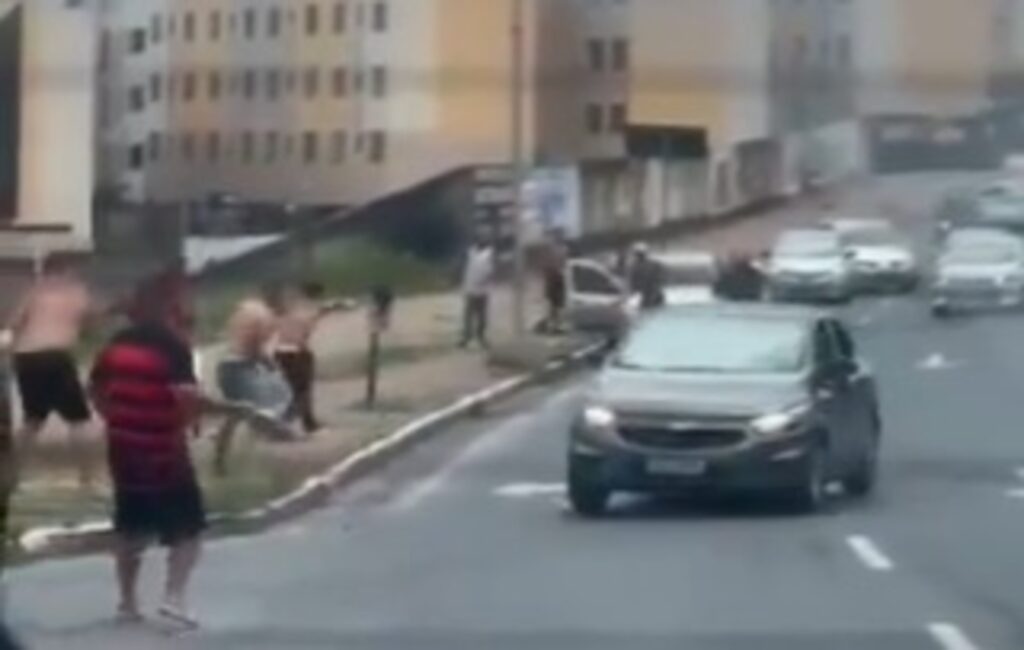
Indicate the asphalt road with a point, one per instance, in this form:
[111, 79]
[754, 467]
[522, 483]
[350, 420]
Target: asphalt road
[466, 543]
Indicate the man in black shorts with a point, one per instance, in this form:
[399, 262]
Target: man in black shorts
[45, 328]
[144, 386]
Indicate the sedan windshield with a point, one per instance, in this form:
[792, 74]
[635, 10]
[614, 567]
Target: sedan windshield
[991, 254]
[715, 344]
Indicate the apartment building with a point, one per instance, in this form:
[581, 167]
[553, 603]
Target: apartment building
[733, 101]
[932, 75]
[330, 102]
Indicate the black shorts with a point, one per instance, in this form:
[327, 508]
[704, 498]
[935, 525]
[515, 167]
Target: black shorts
[48, 382]
[170, 515]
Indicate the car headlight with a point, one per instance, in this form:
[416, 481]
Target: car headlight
[781, 423]
[598, 418]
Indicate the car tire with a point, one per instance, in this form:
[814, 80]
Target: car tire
[861, 482]
[809, 494]
[587, 496]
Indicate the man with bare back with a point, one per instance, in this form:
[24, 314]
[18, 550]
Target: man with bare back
[45, 328]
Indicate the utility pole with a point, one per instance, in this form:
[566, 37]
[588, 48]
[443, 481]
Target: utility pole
[519, 164]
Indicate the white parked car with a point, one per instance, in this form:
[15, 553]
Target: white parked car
[978, 269]
[810, 265]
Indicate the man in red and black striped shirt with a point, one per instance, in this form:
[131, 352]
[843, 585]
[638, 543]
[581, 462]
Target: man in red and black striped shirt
[145, 388]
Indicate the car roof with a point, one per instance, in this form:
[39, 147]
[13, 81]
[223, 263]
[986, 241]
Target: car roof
[751, 310]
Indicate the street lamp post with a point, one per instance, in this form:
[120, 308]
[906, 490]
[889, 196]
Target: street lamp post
[519, 164]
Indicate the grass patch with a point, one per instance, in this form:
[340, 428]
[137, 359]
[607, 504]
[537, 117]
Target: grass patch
[346, 268]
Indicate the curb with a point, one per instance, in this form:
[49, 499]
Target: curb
[93, 537]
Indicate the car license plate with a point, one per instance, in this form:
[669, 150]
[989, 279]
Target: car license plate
[676, 467]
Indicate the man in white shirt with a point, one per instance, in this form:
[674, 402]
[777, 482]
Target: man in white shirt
[477, 279]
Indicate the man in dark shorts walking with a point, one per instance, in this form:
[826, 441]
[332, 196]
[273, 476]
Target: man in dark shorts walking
[45, 328]
[144, 386]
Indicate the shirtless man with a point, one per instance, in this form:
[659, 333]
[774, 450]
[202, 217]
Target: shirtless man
[303, 310]
[44, 328]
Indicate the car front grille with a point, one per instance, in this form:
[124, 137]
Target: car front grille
[689, 439]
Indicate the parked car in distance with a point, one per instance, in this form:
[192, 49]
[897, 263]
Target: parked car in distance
[978, 269]
[881, 258]
[728, 397]
[809, 265]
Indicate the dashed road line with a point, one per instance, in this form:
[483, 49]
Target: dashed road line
[530, 490]
[950, 637]
[869, 554]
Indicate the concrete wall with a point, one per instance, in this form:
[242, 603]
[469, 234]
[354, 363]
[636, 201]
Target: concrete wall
[57, 119]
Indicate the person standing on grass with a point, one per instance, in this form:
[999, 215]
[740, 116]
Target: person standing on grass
[302, 311]
[44, 329]
[144, 386]
[477, 281]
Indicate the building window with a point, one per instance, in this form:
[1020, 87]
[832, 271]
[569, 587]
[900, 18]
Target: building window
[617, 117]
[213, 85]
[595, 54]
[380, 17]
[138, 38]
[379, 81]
[213, 146]
[188, 87]
[189, 27]
[215, 19]
[154, 146]
[137, 98]
[188, 147]
[312, 82]
[595, 118]
[248, 142]
[378, 147]
[620, 55]
[339, 147]
[273, 84]
[271, 142]
[340, 17]
[136, 156]
[310, 149]
[250, 23]
[357, 82]
[249, 84]
[273, 22]
[156, 29]
[339, 82]
[312, 19]
[155, 87]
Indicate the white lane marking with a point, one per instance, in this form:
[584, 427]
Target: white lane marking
[936, 361]
[869, 553]
[530, 490]
[493, 443]
[950, 637]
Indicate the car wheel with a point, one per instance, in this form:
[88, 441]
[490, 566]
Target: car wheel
[809, 495]
[586, 494]
[862, 481]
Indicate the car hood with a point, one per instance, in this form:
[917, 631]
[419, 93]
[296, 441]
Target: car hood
[883, 254]
[696, 394]
[807, 265]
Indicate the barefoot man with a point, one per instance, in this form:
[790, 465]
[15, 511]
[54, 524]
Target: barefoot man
[144, 386]
[45, 328]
